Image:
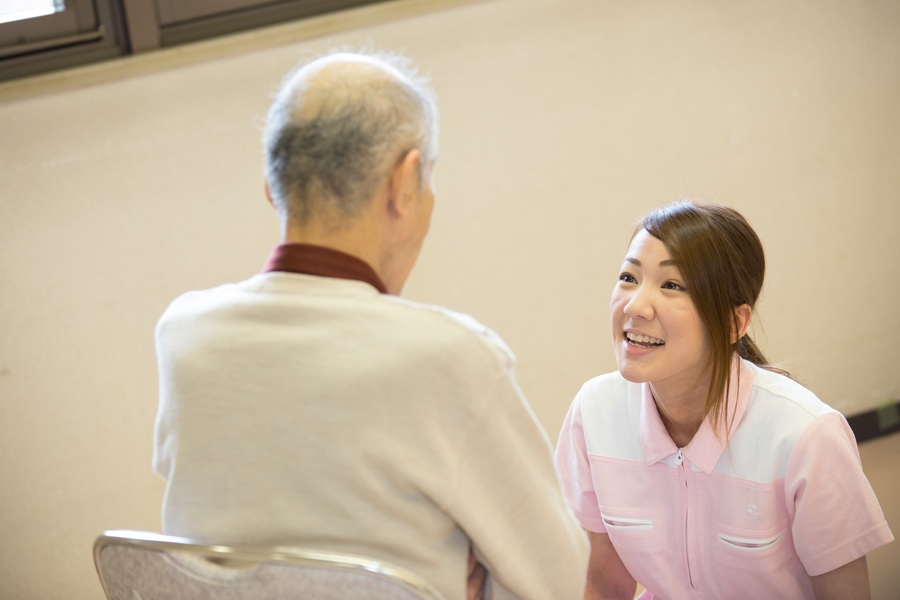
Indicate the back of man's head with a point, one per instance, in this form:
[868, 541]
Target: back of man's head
[337, 126]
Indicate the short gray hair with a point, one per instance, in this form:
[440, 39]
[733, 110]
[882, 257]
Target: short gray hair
[329, 146]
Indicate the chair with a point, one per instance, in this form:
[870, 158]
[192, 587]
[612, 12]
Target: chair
[137, 565]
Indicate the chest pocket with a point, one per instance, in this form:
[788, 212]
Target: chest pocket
[633, 506]
[635, 530]
[750, 526]
[760, 550]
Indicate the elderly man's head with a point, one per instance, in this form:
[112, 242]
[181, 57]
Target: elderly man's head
[337, 126]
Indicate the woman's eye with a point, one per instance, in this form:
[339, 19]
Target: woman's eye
[627, 278]
[671, 285]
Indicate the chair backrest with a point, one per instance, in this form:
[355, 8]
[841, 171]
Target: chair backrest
[136, 565]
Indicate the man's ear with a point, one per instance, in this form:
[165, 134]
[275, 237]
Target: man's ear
[742, 316]
[268, 192]
[403, 186]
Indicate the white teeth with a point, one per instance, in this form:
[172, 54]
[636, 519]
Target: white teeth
[642, 339]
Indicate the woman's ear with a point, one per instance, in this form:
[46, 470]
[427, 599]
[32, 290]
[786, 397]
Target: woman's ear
[742, 316]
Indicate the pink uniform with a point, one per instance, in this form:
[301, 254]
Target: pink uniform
[785, 499]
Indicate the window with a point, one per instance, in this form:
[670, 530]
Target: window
[179, 21]
[44, 35]
[38, 35]
[19, 10]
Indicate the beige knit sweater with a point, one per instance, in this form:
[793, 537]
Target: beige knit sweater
[316, 412]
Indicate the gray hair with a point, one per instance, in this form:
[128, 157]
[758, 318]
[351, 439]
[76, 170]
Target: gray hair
[330, 145]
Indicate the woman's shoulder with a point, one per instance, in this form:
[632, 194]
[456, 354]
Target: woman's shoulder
[780, 413]
[609, 394]
[609, 383]
[610, 410]
[786, 394]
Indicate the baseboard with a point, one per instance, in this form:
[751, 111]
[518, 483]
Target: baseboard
[883, 420]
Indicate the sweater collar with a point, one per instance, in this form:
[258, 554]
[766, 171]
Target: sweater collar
[308, 259]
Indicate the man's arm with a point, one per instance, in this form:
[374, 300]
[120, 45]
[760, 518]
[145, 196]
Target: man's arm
[608, 579]
[508, 500]
[850, 582]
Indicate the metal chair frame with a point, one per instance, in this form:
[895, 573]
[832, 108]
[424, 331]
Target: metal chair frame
[241, 558]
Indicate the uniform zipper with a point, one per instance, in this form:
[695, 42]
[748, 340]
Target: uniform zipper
[679, 462]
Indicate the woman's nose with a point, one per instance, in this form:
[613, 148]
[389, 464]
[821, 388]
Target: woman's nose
[639, 304]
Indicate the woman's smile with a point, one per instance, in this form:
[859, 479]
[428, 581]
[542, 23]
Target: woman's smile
[659, 336]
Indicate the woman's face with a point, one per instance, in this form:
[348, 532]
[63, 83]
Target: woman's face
[658, 335]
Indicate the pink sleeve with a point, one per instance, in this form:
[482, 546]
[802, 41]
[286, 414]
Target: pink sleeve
[574, 470]
[837, 518]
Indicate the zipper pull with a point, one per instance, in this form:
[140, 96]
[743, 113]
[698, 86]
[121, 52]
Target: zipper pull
[678, 457]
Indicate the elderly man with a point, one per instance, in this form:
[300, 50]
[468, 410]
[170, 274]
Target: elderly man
[310, 405]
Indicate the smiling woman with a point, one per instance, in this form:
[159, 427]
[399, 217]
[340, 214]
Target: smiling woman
[715, 250]
[659, 335]
[696, 467]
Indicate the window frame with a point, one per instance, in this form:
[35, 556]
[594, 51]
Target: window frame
[86, 31]
[95, 30]
[195, 20]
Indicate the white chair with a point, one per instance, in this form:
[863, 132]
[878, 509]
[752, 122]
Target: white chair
[137, 565]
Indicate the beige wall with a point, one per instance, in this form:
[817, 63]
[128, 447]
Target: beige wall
[124, 185]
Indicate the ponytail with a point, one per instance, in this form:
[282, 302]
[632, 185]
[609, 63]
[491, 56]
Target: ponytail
[748, 350]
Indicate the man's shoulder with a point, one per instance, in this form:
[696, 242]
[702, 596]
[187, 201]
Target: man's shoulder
[190, 302]
[451, 326]
[269, 291]
[409, 325]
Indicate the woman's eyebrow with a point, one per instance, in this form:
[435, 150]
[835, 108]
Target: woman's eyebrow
[669, 262]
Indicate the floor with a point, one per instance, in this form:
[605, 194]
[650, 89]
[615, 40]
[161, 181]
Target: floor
[881, 461]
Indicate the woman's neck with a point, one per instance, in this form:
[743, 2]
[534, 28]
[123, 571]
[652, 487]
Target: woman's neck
[682, 413]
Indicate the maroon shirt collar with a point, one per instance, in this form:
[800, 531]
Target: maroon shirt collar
[324, 262]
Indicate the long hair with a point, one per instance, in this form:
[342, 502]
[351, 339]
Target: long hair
[722, 261]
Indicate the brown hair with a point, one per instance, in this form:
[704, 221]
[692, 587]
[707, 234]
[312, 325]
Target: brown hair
[723, 264]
